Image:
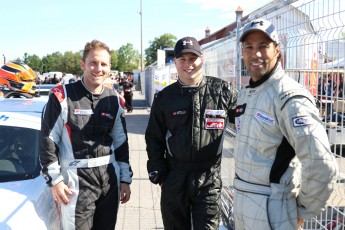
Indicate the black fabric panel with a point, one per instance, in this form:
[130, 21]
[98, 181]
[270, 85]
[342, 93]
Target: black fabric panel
[285, 153]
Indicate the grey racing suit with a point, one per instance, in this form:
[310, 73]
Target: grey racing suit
[284, 166]
[84, 143]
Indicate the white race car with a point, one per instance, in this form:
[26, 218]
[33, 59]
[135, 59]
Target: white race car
[25, 199]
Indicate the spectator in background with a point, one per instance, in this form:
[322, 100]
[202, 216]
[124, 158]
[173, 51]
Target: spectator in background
[127, 87]
[67, 79]
[340, 88]
[55, 79]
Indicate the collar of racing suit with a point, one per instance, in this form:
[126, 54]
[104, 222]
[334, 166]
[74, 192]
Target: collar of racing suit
[191, 88]
[253, 84]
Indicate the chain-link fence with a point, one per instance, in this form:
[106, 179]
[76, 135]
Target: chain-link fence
[312, 38]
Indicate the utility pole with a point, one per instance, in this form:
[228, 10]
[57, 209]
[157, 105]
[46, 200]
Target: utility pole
[141, 37]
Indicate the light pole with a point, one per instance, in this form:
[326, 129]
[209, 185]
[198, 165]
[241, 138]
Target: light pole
[141, 37]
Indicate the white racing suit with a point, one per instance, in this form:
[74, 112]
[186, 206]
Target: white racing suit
[284, 166]
[84, 143]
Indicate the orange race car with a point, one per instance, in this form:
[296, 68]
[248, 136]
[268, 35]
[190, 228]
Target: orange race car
[17, 76]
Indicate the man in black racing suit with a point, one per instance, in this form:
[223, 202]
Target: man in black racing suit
[84, 150]
[184, 141]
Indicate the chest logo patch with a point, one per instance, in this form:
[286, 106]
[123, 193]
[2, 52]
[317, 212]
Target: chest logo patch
[107, 115]
[83, 111]
[214, 123]
[213, 112]
[302, 121]
[265, 118]
[177, 113]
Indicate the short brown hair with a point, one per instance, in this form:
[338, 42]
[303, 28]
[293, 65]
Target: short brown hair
[94, 44]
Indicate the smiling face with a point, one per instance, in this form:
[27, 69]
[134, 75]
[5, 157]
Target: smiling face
[189, 68]
[96, 68]
[260, 54]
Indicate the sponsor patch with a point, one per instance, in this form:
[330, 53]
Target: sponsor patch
[238, 125]
[3, 118]
[177, 113]
[107, 115]
[240, 109]
[265, 118]
[59, 93]
[213, 112]
[83, 111]
[302, 121]
[214, 123]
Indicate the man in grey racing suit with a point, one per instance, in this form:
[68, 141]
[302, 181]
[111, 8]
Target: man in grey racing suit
[84, 150]
[285, 170]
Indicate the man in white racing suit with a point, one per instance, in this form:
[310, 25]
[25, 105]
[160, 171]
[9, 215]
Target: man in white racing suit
[285, 170]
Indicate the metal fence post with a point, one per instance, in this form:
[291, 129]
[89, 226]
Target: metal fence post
[239, 12]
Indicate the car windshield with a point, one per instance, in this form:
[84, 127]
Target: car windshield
[19, 151]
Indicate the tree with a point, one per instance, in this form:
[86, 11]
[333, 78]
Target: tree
[114, 59]
[34, 62]
[165, 40]
[128, 58]
[71, 63]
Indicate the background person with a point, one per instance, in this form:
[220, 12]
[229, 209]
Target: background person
[184, 140]
[127, 87]
[84, 146]
[285, 170]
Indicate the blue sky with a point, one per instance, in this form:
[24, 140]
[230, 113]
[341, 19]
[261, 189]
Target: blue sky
[42, 27]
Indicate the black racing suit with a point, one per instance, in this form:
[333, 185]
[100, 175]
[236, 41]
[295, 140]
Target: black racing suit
[184, 141]
[84, 143]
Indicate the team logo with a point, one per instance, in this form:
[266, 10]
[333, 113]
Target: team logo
[3, 118]
[107, 115]
[265, 118]
[83, 111]
[302, 121]
[185, 42]
[74, 163]
[215, 112]
[214, 123]
[181, 112]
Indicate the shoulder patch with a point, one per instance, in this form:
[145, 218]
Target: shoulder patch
[59, 92]
[302, 121]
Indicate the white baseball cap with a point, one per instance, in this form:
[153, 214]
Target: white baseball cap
[260, 25]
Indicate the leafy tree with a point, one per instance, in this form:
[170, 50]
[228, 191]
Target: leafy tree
[47, 62]
[128, 58]
[165, 40]
[114, 59]
[57, 64]
[71, 63]
[34, 62]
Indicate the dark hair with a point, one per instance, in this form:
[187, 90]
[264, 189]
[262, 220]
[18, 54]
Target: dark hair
[93, 45]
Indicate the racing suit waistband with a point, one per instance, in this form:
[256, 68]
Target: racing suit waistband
[193, 165]
[274, 190]
[88, 163]
[245, 186]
